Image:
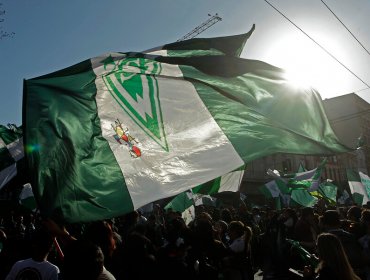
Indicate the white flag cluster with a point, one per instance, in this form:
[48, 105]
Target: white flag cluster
[359, 184]
[11, 152]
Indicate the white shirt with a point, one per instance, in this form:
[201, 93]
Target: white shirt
[30, 269]
[238, 245]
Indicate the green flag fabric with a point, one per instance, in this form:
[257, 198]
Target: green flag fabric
[274, 188]
[300, 187]
[228, 182]
[303, 197]
[358, 191]
[181, 202]
[309, 180]
[118, 131]
[11, 152]
[201, 194]
[301, 168]
[328, 191]
[365, 180]
[270, 189]
[343, 198]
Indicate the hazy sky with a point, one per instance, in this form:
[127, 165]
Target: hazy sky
[51, 35]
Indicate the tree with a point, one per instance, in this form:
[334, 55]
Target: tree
[4, 34]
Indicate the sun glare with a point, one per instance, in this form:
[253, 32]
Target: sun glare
[306, 64]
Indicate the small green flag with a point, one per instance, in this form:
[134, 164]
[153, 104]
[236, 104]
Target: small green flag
[303, 197]
[365, 180]
[309, 180]
[327, 191]
[358, 190]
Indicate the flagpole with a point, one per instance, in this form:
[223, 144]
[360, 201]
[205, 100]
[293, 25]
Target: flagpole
[59, 250]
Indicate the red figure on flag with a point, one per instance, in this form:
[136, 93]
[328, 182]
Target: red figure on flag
[124, 134]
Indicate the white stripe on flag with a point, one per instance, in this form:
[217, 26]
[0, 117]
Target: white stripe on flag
[231, 181]
[26, 192]
[7, 174]
[198, 150]
[273, 188]
[305, 175]
[358, 187]
[16, 149]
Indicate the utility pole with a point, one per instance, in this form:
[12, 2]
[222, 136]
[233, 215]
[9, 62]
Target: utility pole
[202, 27]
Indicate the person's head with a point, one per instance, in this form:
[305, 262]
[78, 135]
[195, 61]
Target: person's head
[41, 243]
[204, 231]
[330, 219]
[354, 214]
[365, 217]
[288, 217]
[101, 234]
[226, 215]
[82, 260]
[237, 229]
[332, 255]
[307, 213]
[221, 226]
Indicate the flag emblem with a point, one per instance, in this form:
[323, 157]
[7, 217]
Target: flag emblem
[123, 135]
[132, 83]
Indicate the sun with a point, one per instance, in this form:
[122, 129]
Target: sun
[307, 65]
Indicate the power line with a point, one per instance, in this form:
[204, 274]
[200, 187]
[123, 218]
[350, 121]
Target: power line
[345, 27]
[313, 40]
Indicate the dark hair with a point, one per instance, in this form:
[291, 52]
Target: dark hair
[307, 211]
[240, 229]
[333, 256]
[355, 212]
[100, 233]
[42, 241]
[82, 260]
[331, 218]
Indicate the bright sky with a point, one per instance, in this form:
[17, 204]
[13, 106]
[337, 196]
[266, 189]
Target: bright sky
[51, 35]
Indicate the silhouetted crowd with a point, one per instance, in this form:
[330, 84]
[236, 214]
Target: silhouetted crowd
[220, 243]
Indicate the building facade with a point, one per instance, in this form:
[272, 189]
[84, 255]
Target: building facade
[349, 116]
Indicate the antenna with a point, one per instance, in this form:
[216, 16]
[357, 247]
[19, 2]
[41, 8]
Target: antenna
[202, 27]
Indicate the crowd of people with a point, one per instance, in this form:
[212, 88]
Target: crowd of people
[231, 242]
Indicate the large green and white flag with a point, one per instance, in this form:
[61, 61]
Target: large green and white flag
[358, 190]
[11, 152]
[118, 131]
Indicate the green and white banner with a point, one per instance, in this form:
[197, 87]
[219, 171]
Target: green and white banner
[201, 194]
[271, 189]
[309, 180]
[359, 192]
[116, 132]
[11, 152]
